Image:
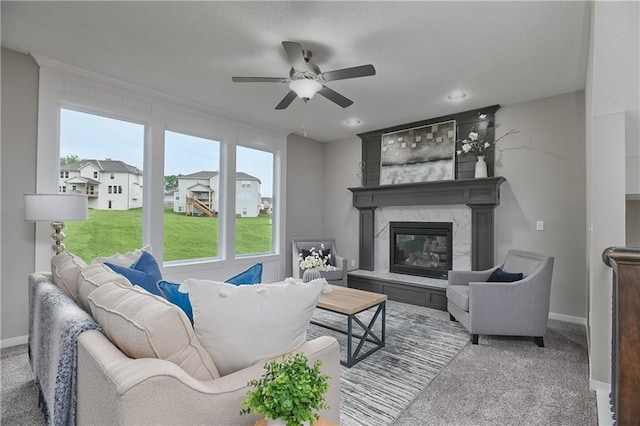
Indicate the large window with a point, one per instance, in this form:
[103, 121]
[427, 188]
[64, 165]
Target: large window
[88, 125]
[191, 197]
[254, 201]
[92, 148]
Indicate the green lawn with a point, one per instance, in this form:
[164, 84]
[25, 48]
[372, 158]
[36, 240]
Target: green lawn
[185, 237]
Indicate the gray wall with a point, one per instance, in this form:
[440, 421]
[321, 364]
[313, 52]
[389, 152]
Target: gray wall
[342, 171]
[545, 169]
[19, 131]
[612, 117]
[305, 183]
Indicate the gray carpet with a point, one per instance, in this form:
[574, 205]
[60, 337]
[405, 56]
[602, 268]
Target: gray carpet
[377, 389]
[511, 381]
[19, 395]
[505, 381]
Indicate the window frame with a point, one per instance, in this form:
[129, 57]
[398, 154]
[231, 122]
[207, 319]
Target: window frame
[62, 86]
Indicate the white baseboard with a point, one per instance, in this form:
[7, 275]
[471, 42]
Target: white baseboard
[568, 318]
[14, 341]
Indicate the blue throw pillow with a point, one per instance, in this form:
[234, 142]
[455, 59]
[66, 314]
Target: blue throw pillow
[500, 276]
[144, 272]
[169, 291]
[253, 275]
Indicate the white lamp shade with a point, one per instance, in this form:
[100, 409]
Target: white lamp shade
[305, 88]
[55, 207]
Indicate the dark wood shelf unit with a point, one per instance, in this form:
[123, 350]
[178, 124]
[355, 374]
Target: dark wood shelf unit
[415, 294]
[481, 195]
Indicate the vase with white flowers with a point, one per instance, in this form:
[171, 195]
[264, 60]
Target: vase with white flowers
[480, 148]
[313, 262]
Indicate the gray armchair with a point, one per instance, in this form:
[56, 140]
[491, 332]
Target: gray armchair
[518, 308]
[336, 277]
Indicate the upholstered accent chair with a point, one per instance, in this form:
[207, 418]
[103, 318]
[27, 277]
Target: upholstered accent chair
[516, 308]
[337, 276]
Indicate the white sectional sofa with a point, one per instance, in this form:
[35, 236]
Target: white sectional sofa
[166, 381]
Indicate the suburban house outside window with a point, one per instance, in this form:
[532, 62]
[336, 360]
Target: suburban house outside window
[254, 179]
[192, 197]
[86, 152]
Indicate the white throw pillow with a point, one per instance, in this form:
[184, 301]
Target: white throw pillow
[92, 277]
[143, 325]
[65, 269]
[126, 259]
[241, 325]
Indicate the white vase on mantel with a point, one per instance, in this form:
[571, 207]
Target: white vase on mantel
[481, 167]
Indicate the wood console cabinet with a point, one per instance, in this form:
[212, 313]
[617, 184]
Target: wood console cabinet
[625, 351]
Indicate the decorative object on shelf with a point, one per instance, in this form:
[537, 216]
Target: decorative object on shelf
[419, 154]
[313, 261]
[290, 392]
[480, 148]
[481, 167]
[56, 208]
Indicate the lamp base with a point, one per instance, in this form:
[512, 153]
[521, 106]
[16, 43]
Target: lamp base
[57, 236]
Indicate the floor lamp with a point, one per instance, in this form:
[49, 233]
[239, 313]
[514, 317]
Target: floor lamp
[56, 208]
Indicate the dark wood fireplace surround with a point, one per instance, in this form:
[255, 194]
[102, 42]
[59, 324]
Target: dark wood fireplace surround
[480, 195]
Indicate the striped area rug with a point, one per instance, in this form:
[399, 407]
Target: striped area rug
[378, 389]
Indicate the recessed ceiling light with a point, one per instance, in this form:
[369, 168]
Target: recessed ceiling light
[457, 95]
[482, 116]
[352, 122]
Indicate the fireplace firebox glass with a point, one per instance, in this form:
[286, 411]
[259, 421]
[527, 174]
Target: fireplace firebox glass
[420, 248]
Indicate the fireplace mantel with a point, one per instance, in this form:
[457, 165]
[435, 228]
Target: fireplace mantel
[484, 191]
[481, 195]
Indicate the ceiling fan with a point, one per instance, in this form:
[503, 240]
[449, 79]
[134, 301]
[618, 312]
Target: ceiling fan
[305, 78]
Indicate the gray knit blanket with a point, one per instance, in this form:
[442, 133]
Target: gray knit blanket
[55, 323]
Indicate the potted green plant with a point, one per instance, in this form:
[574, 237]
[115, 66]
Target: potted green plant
[289, 392]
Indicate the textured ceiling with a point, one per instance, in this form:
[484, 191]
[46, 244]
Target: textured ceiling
[497, 52]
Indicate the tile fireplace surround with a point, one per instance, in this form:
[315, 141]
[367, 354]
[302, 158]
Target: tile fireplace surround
[467, 203]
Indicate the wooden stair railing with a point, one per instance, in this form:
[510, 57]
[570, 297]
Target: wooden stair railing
[201, 206]
[625, 350]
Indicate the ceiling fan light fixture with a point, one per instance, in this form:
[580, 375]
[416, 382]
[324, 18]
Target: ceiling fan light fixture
[305, 88]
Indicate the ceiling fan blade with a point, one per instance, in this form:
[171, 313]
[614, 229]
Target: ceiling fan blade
[361, 71]
[286, 101]
[260, 80]
[296, 57]
[335, 97]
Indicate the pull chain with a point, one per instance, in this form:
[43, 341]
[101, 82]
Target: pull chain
[304, 131]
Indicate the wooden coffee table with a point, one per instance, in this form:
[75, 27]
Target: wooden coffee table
[350, 302]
